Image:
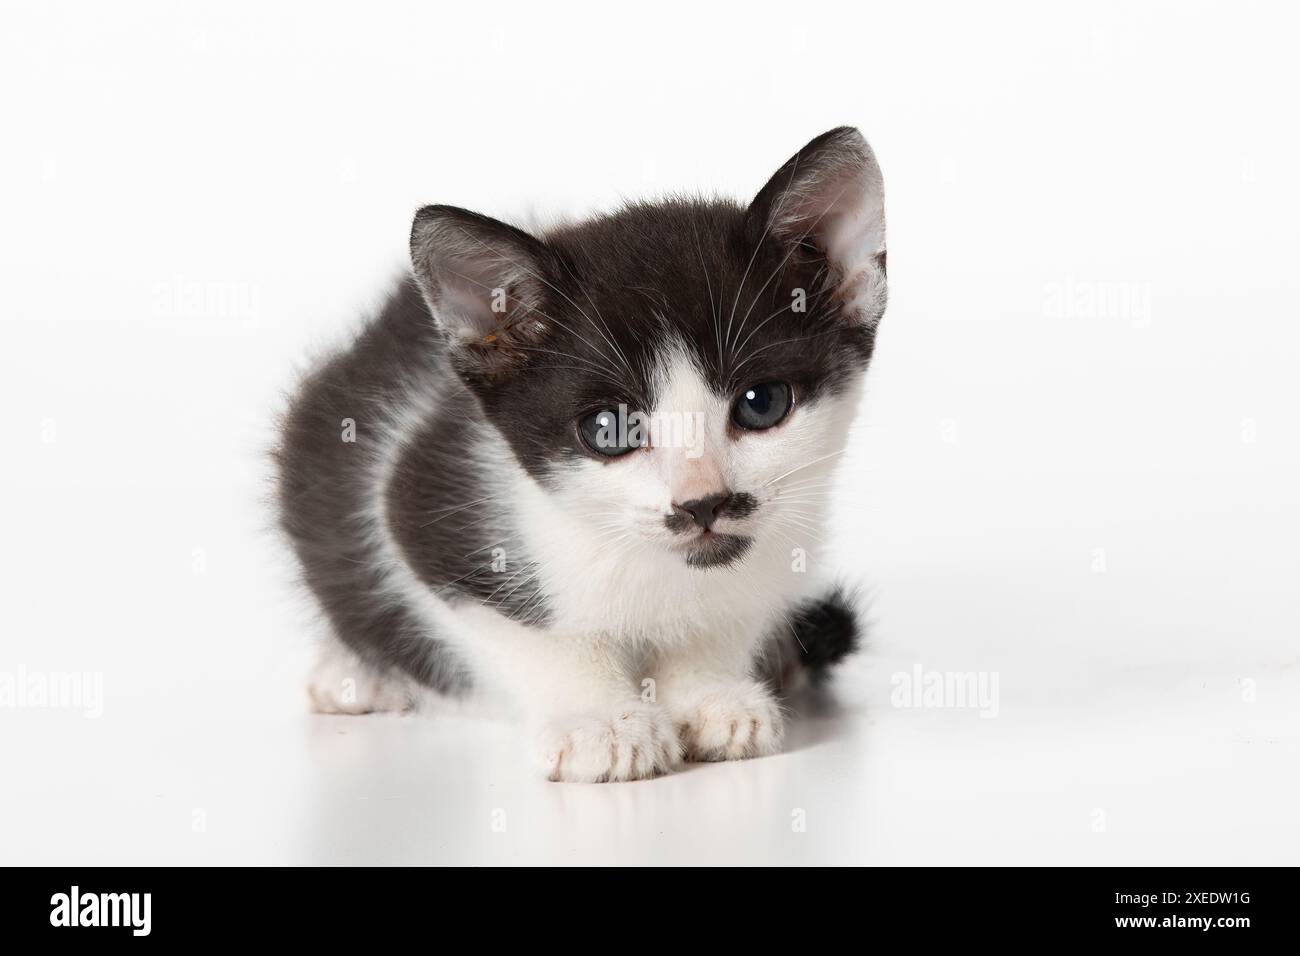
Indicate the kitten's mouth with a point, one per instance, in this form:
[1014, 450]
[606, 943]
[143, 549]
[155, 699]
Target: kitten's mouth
[712, 550]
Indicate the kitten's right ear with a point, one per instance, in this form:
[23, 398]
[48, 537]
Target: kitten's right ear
[482, 280]
[829, 197]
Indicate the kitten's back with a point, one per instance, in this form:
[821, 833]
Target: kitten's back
[340, 426]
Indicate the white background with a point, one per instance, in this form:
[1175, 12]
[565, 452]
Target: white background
[1076, 470]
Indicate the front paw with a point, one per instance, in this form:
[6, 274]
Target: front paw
[341, 684]
[630, 743]
[731, 722]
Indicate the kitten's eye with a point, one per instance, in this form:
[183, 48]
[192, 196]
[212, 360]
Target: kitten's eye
[605, 433]
[762, 406]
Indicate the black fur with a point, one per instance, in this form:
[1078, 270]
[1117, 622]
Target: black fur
[739, 505]
[324, 488]
[719, 550]
[825, 631]
[586, 307]
[610, 291]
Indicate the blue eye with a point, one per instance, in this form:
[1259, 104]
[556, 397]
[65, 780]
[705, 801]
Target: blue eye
[762, 406]
[606, 433]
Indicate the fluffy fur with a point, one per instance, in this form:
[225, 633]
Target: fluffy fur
[461, 537]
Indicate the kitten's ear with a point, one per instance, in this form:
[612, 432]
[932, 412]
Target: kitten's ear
[482, 280]
[830, 198]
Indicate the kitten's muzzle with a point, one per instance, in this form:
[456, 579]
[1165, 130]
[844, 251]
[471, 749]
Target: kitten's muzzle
[704, 512]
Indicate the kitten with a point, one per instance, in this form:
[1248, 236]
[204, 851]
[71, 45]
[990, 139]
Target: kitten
[584, 472]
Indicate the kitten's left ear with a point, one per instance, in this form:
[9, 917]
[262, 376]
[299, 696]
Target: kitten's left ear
[830, 197]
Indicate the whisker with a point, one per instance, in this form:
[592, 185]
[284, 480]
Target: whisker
[528, 272]
[808, 464]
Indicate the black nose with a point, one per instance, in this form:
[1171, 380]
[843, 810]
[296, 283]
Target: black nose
[704, 511]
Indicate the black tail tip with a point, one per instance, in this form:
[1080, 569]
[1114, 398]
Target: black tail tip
[826, 630]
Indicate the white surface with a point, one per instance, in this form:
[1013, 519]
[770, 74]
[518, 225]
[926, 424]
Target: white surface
[194, 201]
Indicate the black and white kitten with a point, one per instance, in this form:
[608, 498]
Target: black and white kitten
[584, 472]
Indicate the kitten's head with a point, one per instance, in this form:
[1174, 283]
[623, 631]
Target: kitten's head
[683, 373]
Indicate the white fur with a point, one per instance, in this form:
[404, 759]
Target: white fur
[340, 683]
[643, 654]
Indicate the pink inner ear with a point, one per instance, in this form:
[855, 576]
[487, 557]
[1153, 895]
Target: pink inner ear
[856, 235]
[466, 309]
[480, 277]
[480, 298]
[841, 211]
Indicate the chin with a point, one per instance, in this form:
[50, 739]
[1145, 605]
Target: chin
[717, 550]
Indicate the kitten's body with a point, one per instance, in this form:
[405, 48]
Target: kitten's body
[466, 542]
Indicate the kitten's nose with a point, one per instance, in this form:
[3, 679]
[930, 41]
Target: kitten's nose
[704, 511]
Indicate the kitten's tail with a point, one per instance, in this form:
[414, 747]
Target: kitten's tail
[816, 635]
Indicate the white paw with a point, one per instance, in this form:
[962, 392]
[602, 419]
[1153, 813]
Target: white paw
[731, 723]
[340, 683]
[630, 743]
